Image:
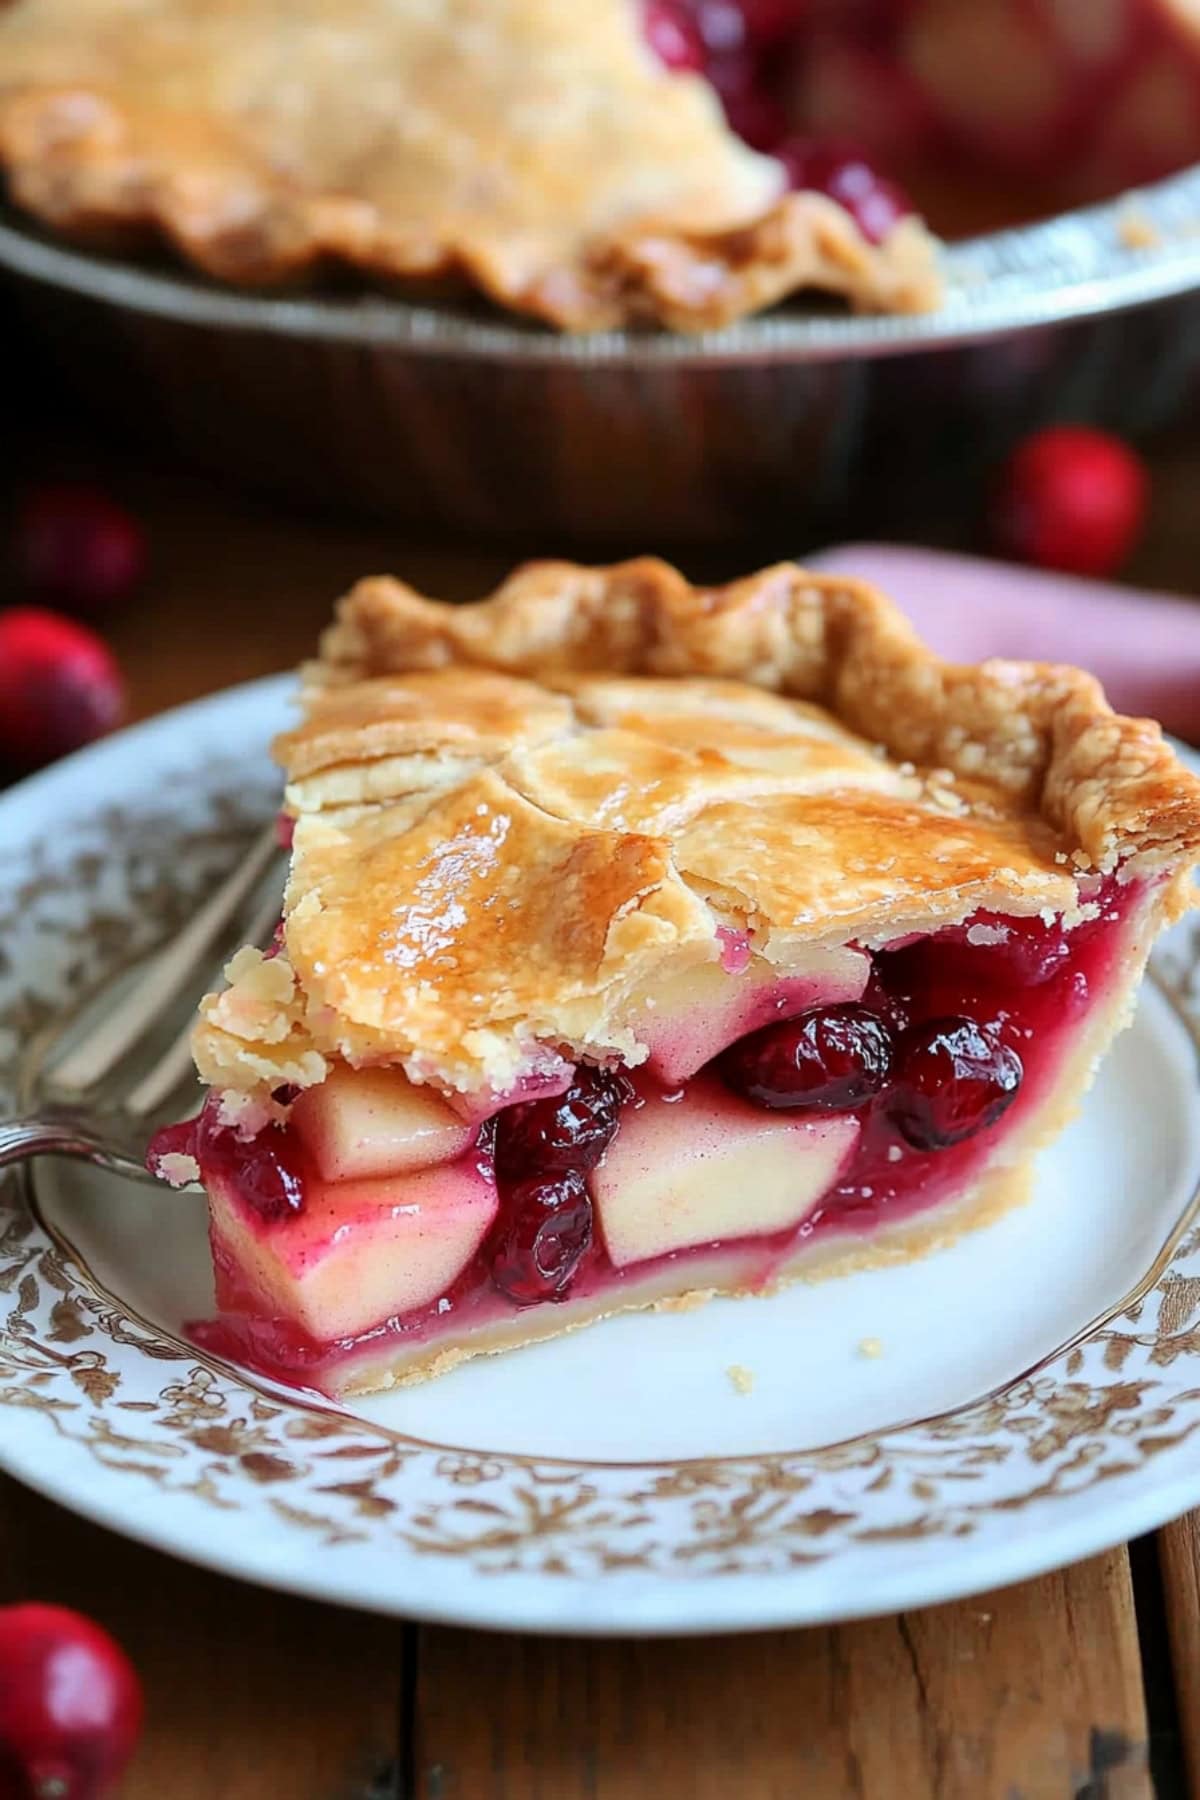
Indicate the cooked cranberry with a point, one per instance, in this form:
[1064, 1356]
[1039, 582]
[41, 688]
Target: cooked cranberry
[266, 1169]
[545, 1230]
[566, 1131]
[77, 548]
[847, 175]
[673, 34]
[59, 686]
[953, 1077]
[70, 1705]
[770, 22]
[830, 1059]
[1070, 498]
[991, 949]
[751, 106]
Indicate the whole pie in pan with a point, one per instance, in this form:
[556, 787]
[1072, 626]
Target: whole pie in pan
[645, 942]
[537, 150]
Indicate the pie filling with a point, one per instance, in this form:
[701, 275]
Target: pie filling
[375, 1223]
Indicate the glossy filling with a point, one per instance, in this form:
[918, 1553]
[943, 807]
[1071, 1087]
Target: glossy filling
[377, 1221]
[989, 111]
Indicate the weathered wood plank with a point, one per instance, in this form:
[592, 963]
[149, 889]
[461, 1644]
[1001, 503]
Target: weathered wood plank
[1029, 1694]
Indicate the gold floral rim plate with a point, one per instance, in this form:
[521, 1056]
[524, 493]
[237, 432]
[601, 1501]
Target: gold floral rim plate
[638, 1476]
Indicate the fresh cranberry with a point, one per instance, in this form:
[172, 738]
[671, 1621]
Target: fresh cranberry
[847, 175]
[59, 686]
[568, 1131]
[827, 1060]
[1070, 498]
[953, 1077]
[674, 36]
[545, 1231]
[77, 548]
[70, 1705]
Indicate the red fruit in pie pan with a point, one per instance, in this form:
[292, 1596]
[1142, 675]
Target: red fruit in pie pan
[60, 686]
[77, 548]
[1070, 498]
[70, 1706]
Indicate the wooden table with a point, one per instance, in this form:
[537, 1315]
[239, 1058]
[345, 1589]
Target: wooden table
[1085, 1684]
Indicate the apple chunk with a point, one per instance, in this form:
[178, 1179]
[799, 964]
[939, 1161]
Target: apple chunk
[694, 1015]
[706, 1167]
[360, 1251]
[364, 1122]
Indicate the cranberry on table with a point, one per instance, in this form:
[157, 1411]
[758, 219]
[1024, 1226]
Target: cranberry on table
[846, 174]
[78, 548]
[60, 686]
[70, 1706]
[568, 1131]
[830, 1059]
[545, 1231]
[1070, 498]
[952, 1078]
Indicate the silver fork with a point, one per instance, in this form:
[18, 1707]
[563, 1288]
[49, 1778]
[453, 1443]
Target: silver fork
[99, 1084]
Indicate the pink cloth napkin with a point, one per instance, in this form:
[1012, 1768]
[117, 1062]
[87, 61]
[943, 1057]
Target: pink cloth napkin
[1145, 647]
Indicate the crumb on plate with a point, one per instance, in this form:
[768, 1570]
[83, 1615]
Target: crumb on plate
[742, 1379]
[870, 1347]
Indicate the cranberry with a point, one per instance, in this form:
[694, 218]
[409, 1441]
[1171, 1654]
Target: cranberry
[59, 686]
[847, 175]
[77, 548]
[545, 1231]
[70, 1705]
[752, 109]
[1027, 952]
[269, 1178]
[1069, 498]
[827, 1060]
[267, 1169]
[953, 1078]
[674, 36]
[770, 22]
[568, 1131]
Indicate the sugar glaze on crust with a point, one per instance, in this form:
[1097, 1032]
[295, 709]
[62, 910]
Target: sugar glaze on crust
[514, 819]
[532, 150]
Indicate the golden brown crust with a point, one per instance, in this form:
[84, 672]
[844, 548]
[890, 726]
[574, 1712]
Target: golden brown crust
[534, 151]
[517, 819]
[1043, 733]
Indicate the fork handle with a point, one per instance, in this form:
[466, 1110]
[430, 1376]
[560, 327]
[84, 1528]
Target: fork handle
[23, 1138]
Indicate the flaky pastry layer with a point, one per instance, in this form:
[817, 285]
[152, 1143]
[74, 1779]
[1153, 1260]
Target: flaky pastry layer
[534, 150]
[517, 819]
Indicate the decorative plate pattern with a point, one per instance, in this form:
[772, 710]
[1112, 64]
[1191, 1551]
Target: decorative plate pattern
[120, 1420]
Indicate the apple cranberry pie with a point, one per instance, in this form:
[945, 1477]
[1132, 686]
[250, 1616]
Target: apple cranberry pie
[591, 163]
[538, 150]
[643, 943]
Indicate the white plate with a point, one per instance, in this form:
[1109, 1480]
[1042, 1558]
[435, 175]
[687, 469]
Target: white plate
[1023, 1410]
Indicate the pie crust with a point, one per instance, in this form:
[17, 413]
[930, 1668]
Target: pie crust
[515, 818]
[532, 150]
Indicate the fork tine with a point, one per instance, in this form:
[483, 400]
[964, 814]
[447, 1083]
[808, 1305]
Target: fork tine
[168, 1072]
[163, 977]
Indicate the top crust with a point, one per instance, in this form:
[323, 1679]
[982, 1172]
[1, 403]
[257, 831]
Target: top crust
[1042, 733]
[532, 149]
[515, 819]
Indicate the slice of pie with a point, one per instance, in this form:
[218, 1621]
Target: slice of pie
[645, 942]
